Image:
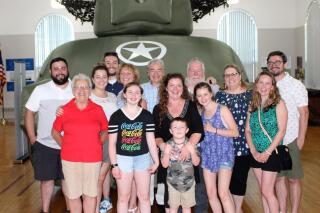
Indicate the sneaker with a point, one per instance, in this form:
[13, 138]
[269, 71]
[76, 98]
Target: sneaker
[105, 206]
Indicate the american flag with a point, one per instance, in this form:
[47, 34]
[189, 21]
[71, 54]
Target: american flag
[3, 79]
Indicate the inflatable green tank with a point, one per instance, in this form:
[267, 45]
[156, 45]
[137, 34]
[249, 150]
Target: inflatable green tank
[139, 31]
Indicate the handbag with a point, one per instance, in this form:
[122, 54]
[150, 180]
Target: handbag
[282, 150]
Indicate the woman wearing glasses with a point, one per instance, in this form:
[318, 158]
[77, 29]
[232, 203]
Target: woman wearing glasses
[84, 126]
[237, 97]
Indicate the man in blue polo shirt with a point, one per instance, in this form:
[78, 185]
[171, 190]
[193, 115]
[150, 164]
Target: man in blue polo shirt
[111, 61]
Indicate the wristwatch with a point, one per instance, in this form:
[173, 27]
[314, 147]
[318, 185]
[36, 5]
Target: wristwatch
[114, 165]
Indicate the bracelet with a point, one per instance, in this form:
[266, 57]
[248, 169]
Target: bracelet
[268, 152]
[114, 165]
[216, 130]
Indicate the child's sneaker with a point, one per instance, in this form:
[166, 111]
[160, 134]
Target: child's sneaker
[105, 206]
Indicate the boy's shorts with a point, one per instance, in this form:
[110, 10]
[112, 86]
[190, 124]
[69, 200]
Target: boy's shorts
[185, 199]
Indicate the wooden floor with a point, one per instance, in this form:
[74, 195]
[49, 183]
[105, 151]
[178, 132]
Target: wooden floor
[20, 193]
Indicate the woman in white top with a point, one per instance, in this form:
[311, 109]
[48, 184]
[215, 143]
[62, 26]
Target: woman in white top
[107, 101]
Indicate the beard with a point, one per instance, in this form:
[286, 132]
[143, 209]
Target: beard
[112, 71]
[60, 79]
[275, 74]
[195, 80]
[113, 74]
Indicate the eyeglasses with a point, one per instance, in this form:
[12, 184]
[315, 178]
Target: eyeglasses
[231, 75]
[81, 87]
[277, 63]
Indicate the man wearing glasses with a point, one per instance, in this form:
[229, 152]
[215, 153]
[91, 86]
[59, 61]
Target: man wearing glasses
[295, 95]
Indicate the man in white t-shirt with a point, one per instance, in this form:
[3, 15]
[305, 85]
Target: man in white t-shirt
[44, 100]
[295, 95]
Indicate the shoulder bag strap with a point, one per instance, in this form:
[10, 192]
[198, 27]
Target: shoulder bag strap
[263, 129]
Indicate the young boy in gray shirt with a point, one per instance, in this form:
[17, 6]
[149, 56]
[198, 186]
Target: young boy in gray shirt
[180, 174]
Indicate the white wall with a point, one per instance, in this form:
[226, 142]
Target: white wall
[267, 13]
[21, 16]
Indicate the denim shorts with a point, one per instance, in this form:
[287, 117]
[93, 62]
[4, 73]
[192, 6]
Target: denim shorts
[134, 163]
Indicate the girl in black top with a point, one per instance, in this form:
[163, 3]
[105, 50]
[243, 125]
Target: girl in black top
[131, 138]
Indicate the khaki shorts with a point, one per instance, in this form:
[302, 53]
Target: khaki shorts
[296, 172]
[81, 178]
[184, 199]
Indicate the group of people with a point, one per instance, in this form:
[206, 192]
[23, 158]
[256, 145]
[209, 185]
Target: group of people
[191, 140]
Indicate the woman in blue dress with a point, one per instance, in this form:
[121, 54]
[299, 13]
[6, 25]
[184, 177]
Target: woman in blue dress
[217, 148]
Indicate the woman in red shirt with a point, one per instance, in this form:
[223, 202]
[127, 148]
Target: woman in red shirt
[84, 126]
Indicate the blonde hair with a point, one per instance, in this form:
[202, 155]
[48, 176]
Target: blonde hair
[274, 96]
[133, 69]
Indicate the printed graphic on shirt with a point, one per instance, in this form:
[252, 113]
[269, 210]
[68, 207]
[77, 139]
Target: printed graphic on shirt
[131, 136]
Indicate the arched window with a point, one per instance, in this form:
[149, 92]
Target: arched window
[52, 31]
[238, 29]
[312, 46]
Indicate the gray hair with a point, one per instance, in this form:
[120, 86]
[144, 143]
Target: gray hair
[156, 61]
[81, 76]
[196, 60]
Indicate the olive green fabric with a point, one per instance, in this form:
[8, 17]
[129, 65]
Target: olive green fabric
[154, 11]
[180, 22]
[170, 42]
[82, 55]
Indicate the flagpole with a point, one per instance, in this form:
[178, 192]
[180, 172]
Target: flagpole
[3, 120]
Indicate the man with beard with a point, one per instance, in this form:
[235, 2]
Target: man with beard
[111, 60]
[44, 100]
[295, 96]
[196, 74]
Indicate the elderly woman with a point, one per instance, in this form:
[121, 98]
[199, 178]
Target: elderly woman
[175, 102]
[265, 129]
[84, 126]
[237, 98]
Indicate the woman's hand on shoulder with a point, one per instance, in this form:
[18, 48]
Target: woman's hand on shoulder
[191, 148]
[59, 111]
[185, 153]
[167, 149]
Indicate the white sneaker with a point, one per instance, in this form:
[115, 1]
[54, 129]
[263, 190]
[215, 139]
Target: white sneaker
[105, 206]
